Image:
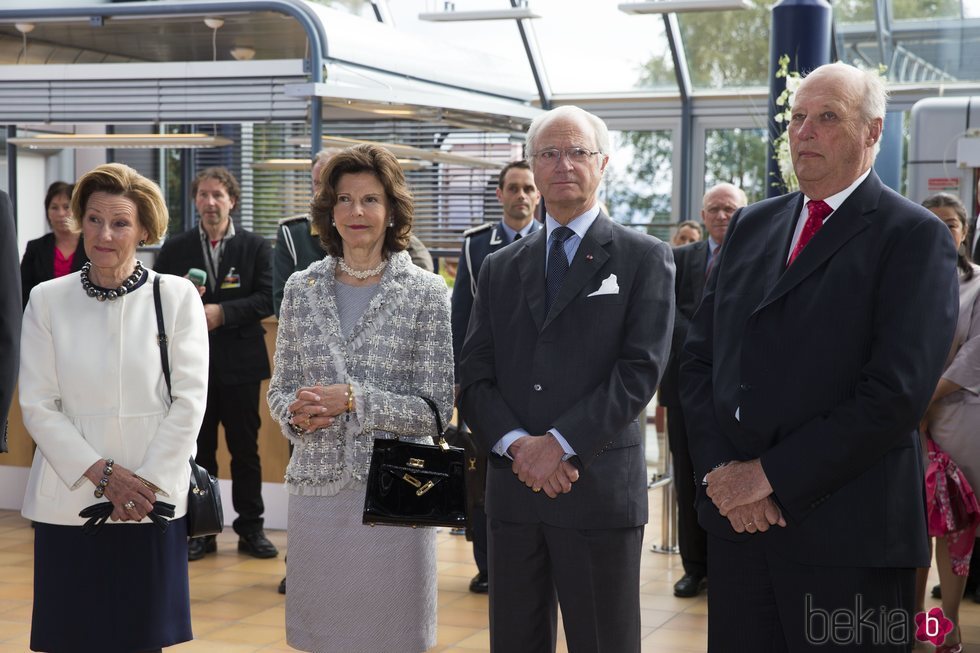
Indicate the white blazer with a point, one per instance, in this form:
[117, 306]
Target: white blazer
[92, 387]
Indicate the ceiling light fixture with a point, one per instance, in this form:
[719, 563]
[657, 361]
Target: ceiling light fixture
[243, 53]
[682, 6]
[24, 29]
[215, 24]
[145, 141]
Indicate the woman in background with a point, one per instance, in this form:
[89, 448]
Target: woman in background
[108, 431]
[57, 253]
[687, 232]
[953, 417]
[363, 336]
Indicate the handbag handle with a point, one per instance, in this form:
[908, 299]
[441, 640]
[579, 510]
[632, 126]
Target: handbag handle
[440, 432]
[162, 335]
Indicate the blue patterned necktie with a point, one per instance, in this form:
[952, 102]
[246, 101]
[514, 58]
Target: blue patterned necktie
[557, 263]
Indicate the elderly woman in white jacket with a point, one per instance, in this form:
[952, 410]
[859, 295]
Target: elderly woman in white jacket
[363, 336]
[95, 401]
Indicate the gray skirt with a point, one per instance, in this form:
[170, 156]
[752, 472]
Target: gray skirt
[354, 588]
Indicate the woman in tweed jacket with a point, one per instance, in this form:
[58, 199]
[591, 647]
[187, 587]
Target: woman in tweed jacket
[363, 335]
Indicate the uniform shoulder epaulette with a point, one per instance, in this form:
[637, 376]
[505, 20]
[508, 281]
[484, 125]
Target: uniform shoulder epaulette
[478, 229]
[294, 219]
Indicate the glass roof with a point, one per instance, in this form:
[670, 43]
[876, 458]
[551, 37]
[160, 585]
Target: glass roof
[918, 41]
[718, 57]
[592, 48]
[577, 57]
[579, 48]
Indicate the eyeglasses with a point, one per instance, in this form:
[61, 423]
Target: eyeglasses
[574, 154]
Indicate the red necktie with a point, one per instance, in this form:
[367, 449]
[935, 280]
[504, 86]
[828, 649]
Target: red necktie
[711, 263]
[817, 212]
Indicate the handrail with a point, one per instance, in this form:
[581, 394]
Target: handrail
[668, 514]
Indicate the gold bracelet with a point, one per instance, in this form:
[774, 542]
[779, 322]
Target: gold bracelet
[150, 486]
[350, 398]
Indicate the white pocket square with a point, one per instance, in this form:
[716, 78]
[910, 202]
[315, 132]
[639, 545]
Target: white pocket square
[608, 287]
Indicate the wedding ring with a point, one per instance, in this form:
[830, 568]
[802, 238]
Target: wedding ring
[536, 489]
[129, 505]
[748, 523]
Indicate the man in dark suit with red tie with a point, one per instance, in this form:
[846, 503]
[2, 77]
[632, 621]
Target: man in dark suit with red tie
[568, 337]
[694, 263]
[818, 344]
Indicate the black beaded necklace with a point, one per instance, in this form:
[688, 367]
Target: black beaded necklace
[102, 294]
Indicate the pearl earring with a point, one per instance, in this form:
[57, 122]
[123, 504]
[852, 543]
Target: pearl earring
[333, 223]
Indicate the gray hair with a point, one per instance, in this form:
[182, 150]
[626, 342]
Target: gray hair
[324, 155]
[569, 112]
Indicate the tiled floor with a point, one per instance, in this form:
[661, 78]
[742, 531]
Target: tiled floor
[236, 608]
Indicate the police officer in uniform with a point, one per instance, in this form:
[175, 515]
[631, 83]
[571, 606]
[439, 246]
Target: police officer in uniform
[519, 198]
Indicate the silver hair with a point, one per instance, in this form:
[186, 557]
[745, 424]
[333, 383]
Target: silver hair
[732, 187]
[324, 155]
[571, 112]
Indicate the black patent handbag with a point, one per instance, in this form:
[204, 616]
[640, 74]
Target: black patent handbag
[416, 484]
[205, 515]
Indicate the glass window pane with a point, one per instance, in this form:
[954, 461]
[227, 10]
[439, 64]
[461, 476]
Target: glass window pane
[638, 182]
[926, 40]
[736, 156]
[498, 42]
[718, 54]
[928, 9]
[601, 49]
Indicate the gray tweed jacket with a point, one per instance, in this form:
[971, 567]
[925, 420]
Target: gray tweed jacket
[400, 350]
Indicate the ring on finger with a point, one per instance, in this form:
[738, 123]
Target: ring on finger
[536, 489]
[129, 505]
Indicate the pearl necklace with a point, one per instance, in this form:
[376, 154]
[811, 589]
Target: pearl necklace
[362, 274]
[92, 291]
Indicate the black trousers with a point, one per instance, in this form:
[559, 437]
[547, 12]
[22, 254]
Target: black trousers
[594, 574]
[761, 601]
[691, 538]
[478, 519]
[237, 408]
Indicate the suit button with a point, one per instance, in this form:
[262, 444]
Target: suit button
[537, 387]
[744, 386]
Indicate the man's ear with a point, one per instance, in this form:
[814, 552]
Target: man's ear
[874, 131]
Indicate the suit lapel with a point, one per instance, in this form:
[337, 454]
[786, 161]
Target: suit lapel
[781, 229]
[589, 258]
[846, 222]
[531, 262]
[696, 265]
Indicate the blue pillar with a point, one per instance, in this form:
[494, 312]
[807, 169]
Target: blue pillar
[802, 30]
[888, 165]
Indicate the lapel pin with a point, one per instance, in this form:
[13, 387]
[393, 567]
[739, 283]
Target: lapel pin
[588, 257]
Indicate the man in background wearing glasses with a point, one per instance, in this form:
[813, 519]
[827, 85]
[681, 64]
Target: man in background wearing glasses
[567, 340]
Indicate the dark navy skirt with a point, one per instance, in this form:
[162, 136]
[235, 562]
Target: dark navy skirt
[123, 590]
